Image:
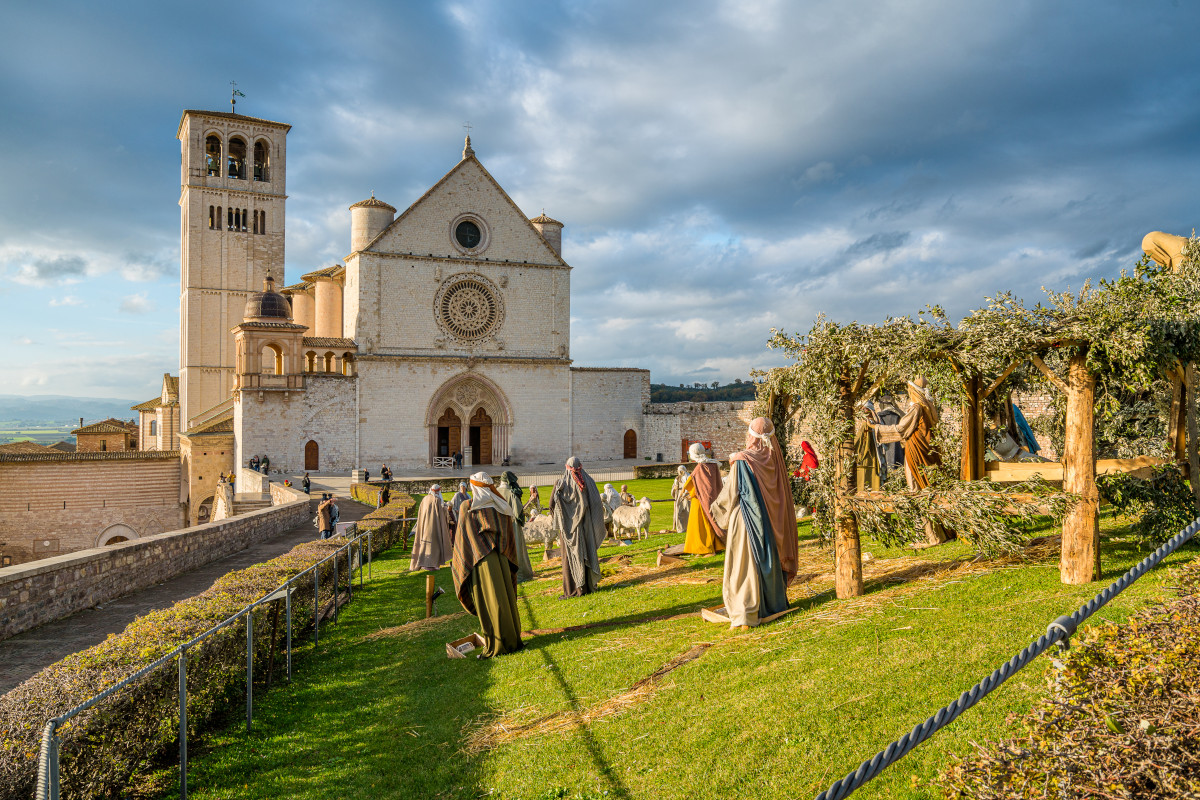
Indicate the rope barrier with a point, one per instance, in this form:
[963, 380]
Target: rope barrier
[1059, 631]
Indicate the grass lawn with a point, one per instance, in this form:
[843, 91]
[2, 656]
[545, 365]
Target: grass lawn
[379, 711]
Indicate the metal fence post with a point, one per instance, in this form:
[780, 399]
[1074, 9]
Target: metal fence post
[369, 548]
[360, 563]
[316, 603]
[287, 603]
[350, 569]
[249, 666]
[336, 589]
[183, 723]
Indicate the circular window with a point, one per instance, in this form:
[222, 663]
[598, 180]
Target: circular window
[468, 234]
[469, 307]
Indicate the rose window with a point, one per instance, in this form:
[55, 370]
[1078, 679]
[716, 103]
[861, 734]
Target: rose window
[469, 309]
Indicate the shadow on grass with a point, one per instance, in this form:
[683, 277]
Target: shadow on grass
[605, 769]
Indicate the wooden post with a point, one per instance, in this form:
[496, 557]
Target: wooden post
[847, 548]
[1177, 421]
[429, 580]
[1193, 436]
[971, 468]
[1080, 561]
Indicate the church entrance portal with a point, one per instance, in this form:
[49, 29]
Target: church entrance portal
[481, 438]
[631, 444]
[468, 411]
[311, 455]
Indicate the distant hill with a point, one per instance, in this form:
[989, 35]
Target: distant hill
[57, 409]
[664, 393]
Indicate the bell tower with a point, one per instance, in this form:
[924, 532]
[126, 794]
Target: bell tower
[232, 211]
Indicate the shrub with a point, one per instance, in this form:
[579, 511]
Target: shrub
[1123, 720]
[118, 742]
[1161, 504]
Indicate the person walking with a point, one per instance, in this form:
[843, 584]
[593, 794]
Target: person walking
[325, 516]
[306, 484]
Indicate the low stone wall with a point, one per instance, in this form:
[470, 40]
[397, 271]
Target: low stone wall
[669, 470]
[43, 591]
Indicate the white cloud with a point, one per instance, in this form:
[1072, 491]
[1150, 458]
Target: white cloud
[137, 304]
[66, 300]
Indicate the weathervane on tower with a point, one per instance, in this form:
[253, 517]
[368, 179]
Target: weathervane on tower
[233, 97]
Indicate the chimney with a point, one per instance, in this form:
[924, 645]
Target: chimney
[81, 422]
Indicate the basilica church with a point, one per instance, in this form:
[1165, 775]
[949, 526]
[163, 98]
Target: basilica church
[445, 329]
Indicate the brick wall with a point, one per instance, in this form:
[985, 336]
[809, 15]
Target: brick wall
[52, 588]
[62, 503]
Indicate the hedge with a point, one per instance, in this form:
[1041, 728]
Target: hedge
[1122, 721]
[115, 747]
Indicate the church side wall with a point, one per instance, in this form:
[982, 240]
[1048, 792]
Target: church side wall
[605, 403]
[53, 507]
[722, 423]
[279, 428]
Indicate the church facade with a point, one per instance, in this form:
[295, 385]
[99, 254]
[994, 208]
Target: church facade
[446, 328]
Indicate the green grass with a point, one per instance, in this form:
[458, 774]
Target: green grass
[780, 711]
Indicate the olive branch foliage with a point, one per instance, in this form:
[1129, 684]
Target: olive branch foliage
[1133, 331]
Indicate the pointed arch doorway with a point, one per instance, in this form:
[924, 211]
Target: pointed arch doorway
[469, 410]
[481, 438]
[312, 454]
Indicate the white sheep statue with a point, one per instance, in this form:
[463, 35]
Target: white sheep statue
[540, 528]
[632, 518]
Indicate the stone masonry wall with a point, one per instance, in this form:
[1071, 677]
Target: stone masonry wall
[60, 505]
[605, 403]
[46, 590]
[722, 423]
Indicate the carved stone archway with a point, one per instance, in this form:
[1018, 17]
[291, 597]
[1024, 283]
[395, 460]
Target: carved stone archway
[464, 399]
[115, 534]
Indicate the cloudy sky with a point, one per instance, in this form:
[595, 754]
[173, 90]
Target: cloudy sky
[721, 167]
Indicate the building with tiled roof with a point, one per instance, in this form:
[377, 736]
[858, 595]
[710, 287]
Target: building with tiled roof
[158, 417]
[23, 447]
[104, 437]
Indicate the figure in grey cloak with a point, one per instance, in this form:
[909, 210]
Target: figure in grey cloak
[431, 536]
[510, 491]
[683, 500]
[578, 513]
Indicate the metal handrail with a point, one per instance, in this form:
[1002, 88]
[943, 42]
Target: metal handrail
[48, 783]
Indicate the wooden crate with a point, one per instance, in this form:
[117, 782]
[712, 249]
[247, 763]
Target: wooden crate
[475, 640]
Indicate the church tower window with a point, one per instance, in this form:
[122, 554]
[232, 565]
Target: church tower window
[237, 158]
[261, 149]
[212, 156]
[212, 218]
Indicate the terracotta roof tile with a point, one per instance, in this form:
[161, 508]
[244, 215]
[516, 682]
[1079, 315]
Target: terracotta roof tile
[373, 203]
[324, 341]
[100, 427]
[23, 447]
[542, 219]
[149, 405]
[324, 272]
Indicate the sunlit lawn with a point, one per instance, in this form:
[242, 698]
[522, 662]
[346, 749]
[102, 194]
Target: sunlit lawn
[780, 711]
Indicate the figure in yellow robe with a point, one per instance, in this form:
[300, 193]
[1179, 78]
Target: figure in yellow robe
[704, 536]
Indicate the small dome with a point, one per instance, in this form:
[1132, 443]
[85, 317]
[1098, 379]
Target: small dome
[373, 203]
[268, 304]
[542, 219]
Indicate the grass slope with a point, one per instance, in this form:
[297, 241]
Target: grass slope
[783, 710]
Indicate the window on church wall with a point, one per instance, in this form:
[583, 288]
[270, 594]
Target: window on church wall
[261, 151]
[237, 158]
[262, 225]
[212, 213]
[256, 222]
[154, 427]
[212, 155]
[229, 218]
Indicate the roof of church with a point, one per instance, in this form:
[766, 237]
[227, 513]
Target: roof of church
[542, 219]
[100, 427]
[468, 157]
[302, 286]
[172, 384]
[326, 341]
[324, 272]
[267, 304]
[219, 424]
[373, 203]
[227, 115]
[149, 405]
[23, 447]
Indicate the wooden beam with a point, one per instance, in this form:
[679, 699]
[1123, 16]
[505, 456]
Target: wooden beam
[1003, 375]
[1058, 382]
[858, 382]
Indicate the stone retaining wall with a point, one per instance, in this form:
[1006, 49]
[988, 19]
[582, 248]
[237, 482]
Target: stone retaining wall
[43, 591]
